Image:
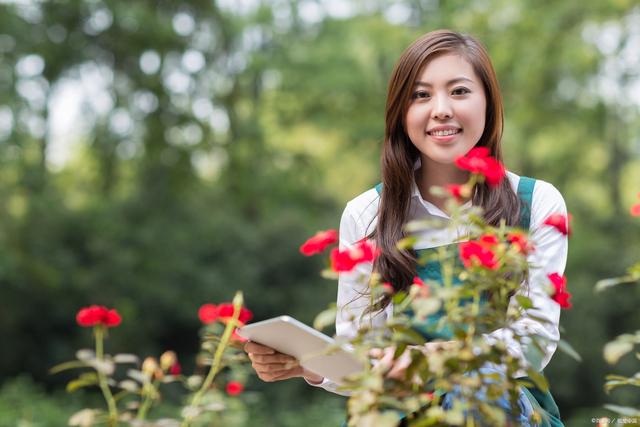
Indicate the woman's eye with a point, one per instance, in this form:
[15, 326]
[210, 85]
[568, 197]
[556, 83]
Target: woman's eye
[420, 94]
[460, 91]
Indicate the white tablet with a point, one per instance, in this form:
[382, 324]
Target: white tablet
[289, 336]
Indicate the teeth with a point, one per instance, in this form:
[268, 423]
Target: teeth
[444, 132]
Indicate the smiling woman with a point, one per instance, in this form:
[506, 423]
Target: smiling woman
[443, 128]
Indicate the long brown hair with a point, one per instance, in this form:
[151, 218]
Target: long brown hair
[399, 154]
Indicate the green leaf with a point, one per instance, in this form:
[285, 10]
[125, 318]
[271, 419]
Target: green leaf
[570, 351]
[623, 410]
[604, 284]
[524, 302]
[406, 243]
[86, 379]
[68, 365]
[614, 350]
[325, 318]
[539, 380]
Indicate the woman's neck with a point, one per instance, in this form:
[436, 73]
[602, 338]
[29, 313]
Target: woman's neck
[437, 174]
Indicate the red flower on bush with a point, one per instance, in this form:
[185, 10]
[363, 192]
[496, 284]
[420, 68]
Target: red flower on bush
[478, 161]
[95, 315]
[225, 313]
[319, 242]
[477, 253]
[489, 241]
[560, 222]
[234, 388]
[520, 241]
[344, 261]
[635, 209]
[418, 282]
[175, 369]
[560, 295]
[209, 313]
[457, 191]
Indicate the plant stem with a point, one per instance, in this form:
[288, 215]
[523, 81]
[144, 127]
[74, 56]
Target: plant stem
[217, 358]
[148, 400]
[102, 379]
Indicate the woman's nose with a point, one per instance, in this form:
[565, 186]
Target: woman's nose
[441, 108]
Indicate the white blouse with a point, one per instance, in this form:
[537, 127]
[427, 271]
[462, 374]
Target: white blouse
[550, 256]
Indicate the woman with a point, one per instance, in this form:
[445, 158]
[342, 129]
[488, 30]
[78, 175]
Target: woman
[443, 100]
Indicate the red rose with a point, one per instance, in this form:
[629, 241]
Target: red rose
[520, 241]
[208, 313]
[418, 282]
[635, 209]
[488, 240]
[175, 369]
[455, 190]
[475, 253]
[362, 251]
[225, 313]
[560, 222]
[95, 315]
[479, 162]
[560, 295]
[234, 388]
[319, 242]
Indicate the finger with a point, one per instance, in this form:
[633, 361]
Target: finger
[255, 348]
[273, 367]
[280, 375]
[272, 358]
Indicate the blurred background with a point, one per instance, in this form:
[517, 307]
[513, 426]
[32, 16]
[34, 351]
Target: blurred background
[157, 155]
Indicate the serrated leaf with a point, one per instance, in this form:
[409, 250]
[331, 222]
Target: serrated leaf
[325, 318]
[570, 351]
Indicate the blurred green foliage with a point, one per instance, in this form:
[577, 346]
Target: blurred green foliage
[155, 156]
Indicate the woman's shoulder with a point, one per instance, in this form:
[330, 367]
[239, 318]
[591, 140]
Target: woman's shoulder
[546, 199]
[362, 211]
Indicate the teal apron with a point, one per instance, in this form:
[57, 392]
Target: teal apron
[542, 402]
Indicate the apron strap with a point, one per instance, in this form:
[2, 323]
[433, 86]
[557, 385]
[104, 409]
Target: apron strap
[525, 194]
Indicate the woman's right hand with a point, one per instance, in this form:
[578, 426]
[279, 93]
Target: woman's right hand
[271, 365]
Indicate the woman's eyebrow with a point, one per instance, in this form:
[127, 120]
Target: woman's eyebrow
[449, 83]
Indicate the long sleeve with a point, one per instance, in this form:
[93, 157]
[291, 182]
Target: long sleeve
[550, 256]
[358, 220]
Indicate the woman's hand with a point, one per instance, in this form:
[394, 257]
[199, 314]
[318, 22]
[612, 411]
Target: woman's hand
[396, 368]
[271, 365]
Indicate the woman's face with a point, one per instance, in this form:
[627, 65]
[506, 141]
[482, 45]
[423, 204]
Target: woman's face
[446, 116]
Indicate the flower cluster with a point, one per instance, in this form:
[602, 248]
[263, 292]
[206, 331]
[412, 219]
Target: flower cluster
[560, 295]
[480, 252]
[98, 315]
[209, 313]
[478, 161]
[342, 261]
[345, 261]
[319, 242]
[560, 222]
